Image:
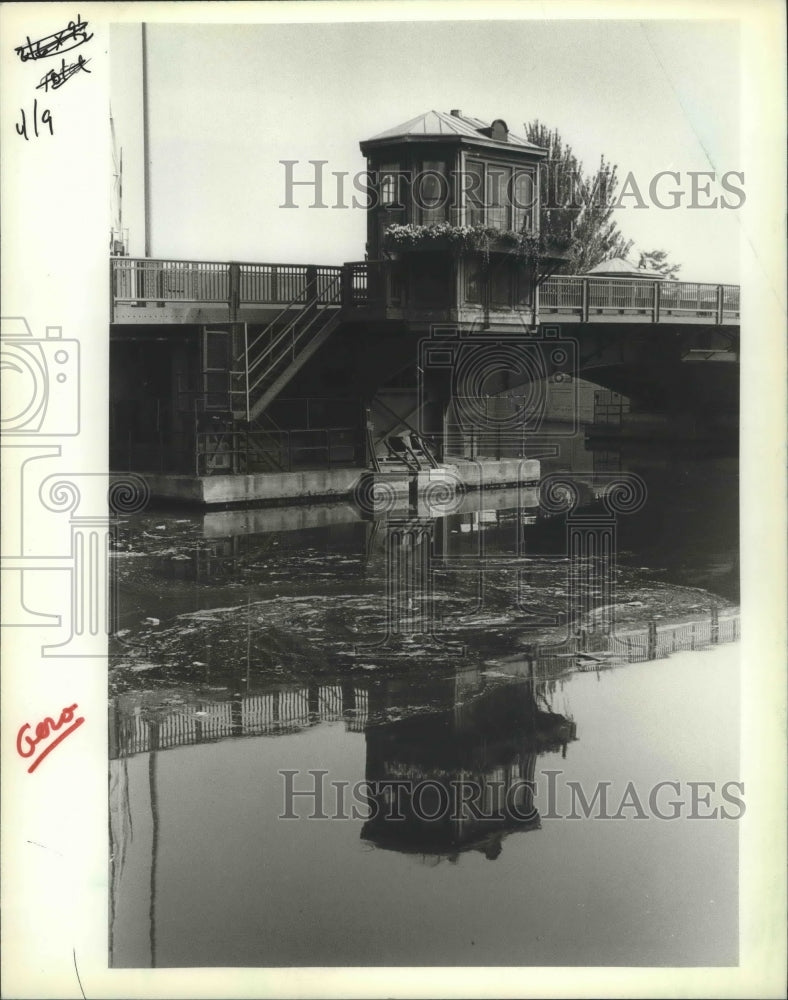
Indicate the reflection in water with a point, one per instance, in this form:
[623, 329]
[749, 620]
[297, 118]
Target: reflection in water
[474, 650]
[207, 855]
[486, 746]
[468, 730]
[154, 851]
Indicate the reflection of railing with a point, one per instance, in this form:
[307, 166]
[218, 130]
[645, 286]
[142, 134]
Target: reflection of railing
[135, 729]
[285, 710]
[655, 642]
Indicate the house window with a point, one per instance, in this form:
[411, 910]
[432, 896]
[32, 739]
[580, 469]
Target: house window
[431, 192]
[474, 188]
[523, 196]
[474, 282]
[524, 287]
[499, 196]
[501, 285]
[498, 179]
[389, 194]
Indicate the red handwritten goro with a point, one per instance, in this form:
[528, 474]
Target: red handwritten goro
[26, 745]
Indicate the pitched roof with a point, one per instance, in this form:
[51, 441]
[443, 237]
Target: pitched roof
[440, 123]
[623, 267]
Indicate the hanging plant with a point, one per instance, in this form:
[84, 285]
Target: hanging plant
[465, 240]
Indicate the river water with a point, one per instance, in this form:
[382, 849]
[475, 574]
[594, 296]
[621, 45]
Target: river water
[328, 651]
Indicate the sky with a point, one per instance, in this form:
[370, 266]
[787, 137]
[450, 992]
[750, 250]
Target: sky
[229, 102]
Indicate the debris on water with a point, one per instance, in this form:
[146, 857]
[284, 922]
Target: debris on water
[198, 663]
[152, 621]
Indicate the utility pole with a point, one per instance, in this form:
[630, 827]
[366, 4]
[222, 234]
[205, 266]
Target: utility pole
[145, 137]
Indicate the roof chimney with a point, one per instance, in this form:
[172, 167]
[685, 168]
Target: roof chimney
[455, 113]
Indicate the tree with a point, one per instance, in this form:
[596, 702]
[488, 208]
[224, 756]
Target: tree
[576, 208]
[657, 260]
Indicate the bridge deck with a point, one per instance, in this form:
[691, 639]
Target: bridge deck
[184, 291]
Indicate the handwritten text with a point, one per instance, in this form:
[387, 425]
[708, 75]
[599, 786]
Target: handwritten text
[70, 37]
[45, 119]
[26, 745]
[55, 78]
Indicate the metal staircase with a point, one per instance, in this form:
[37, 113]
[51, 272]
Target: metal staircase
[277, 353]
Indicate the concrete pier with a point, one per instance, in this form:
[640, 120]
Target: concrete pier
[269, 488]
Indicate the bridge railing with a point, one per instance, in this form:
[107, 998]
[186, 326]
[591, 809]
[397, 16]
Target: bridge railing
[137, 279]
[585, 297]
[169, 280]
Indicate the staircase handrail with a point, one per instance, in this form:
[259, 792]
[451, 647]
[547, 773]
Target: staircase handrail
[299, 299]
[322, 318]
[271, 347]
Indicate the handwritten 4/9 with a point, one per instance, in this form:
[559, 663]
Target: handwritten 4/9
[46, 119]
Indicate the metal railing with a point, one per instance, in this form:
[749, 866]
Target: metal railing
[139, 280]
[587, 297]
[247, 451]
[135, 280]
[282, 349]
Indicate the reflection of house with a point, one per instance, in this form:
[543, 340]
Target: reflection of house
[477, 761]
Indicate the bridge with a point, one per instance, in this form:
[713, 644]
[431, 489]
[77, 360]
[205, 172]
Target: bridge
[202, 353]
[186, 291]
